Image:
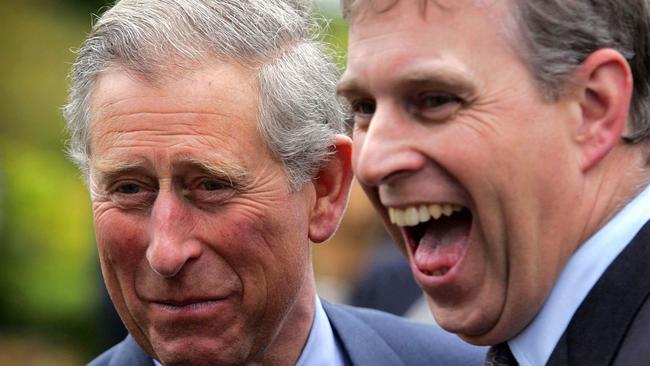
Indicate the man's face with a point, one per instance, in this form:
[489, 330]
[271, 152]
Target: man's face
[204, 250]
[453, 142]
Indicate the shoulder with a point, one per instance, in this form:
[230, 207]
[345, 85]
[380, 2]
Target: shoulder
[368, 333]
[127, 352]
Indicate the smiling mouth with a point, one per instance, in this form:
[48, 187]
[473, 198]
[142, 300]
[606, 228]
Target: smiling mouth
[437, 235]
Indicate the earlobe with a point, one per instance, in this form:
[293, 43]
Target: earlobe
[605, 87]
[332, 187]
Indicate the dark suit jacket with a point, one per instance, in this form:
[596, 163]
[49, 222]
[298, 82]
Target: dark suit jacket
[367, 337]
[612, 325]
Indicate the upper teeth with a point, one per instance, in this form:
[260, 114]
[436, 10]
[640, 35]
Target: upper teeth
[413, 215]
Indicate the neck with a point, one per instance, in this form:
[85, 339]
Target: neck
[292, 337]
[611, 185]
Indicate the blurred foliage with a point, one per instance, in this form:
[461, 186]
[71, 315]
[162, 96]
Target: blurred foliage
[47, 236]
[336, 36]
[49, 274]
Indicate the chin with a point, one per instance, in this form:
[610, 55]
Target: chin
[472, 326]
[489, 333]
[197, 357]
[197, 352]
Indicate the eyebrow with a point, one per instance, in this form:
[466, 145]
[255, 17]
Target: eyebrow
[237, 175]
[452, 81]
[348, 85]
[107, 169]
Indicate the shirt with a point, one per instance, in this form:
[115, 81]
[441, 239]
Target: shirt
[321, 349]
[534, 345]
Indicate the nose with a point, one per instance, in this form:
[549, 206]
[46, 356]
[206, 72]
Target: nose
[386, 148]
[171, 244]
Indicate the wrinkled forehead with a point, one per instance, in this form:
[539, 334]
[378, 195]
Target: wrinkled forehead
[214, 83]
[355, 11]
[438, 25]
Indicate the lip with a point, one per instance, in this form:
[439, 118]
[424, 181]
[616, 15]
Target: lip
[411, 195]
[188, 308]
[403, 205]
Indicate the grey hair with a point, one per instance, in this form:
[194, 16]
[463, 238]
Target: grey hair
[555, 36]
[298, 113]
[558, 35]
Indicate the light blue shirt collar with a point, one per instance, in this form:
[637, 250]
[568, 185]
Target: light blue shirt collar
[321, 348]
[534, 345]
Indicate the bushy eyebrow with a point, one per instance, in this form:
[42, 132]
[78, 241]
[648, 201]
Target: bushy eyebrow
[107, 169]
[238, 176]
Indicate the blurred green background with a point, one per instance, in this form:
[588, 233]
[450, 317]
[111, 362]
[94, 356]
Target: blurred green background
[51, 302]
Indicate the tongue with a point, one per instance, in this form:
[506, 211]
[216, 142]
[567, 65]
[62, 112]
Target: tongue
[442, 245]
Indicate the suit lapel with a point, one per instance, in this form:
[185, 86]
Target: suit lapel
[598, 327]
[361, 343]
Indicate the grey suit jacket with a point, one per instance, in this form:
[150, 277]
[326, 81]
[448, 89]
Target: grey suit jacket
[367, 337]
[612, 325]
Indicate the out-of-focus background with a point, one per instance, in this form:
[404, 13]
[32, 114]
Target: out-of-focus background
[53, 307]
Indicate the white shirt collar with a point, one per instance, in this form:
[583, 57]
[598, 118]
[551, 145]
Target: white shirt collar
[321, 348]
[534, 345]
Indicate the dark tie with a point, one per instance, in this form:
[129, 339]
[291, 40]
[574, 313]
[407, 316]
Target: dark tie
[500, 355]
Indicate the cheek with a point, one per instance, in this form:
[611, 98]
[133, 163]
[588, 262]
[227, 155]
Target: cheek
[121, 242]
[269, 251]
[267, 248]
[357, 146]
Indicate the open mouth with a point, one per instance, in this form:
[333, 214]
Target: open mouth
[437, 235]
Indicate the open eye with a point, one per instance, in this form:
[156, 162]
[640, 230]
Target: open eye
[130, 194]
[208, 191]
[362, 111]
[128, 188]
[364, 107]
[436, 105]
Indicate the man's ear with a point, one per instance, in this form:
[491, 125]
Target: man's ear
[604, 82]
[332, 187]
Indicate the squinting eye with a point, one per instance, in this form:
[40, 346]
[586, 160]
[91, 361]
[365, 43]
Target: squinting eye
[436, 100]
[437, 106]
[211, 185]
[208, 192]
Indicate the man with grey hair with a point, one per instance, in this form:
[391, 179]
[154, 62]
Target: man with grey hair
[505, 145]
[214, 150]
